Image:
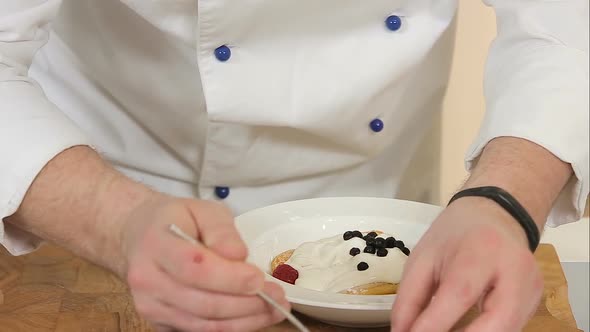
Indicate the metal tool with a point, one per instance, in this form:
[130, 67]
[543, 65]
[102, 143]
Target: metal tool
[180, 233]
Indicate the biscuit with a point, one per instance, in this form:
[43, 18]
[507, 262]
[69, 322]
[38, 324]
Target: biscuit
[280, 259]
[375, 288]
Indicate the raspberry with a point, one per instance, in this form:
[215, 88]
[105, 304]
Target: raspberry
[286, 273]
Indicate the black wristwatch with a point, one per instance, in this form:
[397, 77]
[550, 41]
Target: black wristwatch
[511, 205]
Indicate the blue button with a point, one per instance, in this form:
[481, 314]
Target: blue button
[222, 192]
[393, 22]
[223, 53]
[376, 125]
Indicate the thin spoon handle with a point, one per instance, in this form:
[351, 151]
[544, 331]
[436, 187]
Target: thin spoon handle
[296, 322]
[180, 233]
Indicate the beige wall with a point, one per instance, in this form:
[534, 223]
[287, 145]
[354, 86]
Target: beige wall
[464, 103]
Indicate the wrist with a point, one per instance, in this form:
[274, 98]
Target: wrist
[117, 197]
[531, 174]
[537, 208]
[494, 213]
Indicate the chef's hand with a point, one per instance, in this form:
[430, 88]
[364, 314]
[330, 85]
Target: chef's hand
[194, 288]
[473, 254]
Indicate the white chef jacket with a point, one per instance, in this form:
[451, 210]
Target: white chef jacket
[258, 102]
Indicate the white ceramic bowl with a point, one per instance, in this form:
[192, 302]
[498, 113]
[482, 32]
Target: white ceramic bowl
[271, 230]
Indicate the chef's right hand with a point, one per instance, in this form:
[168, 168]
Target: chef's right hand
[179, 286]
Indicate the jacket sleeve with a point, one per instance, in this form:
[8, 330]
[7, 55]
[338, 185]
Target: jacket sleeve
[32, 129]
[536, 88]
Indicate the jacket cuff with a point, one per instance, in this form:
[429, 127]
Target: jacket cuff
[33, 132]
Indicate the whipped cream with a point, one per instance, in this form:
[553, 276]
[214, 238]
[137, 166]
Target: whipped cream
[326, 265]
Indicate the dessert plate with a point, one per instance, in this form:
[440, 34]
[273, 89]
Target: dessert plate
[273, 229]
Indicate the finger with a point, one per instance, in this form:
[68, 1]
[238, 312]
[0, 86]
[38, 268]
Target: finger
[164, 315]
[215, 305]
[414, 293]
[221, 306]
[491, 320]
[252, 323]
[163, 328]
[503, 308]
[461, 285]
[534, 306]
[199, 267]
[217, 230]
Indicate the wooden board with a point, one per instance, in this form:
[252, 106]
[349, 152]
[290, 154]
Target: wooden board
[53, 290]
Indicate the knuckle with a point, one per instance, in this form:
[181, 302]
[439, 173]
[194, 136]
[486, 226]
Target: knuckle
[513, 321]
[136, 279]
[465, 293]
[250, 279]
[146, 310]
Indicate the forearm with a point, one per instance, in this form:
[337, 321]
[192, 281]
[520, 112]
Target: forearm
[79, 202]
[533, 175]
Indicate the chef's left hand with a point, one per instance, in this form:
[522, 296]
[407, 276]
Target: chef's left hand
[473, 254]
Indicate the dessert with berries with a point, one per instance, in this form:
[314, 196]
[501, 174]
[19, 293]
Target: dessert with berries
[369, 263]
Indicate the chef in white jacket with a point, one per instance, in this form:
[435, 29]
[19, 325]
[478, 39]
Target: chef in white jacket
[118, 117]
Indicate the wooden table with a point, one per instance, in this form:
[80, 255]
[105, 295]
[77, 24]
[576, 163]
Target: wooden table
[53, 290]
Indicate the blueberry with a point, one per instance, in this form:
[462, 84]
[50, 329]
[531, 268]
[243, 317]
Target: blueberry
[362, 266]
[369, 250]
[406, 251]
[380, 242]
[370, 240]
[399, 244]
[354, 251]
[357, 234]
[372, 234]
[382, 252]
[390, 242]
[347, 235]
